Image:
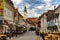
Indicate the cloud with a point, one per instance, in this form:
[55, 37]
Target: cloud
[40, 7]
[28, 5]
[57, 5]
[47, 1]
[50, 8]
[37, 15]
[17, 1]
[45, 7]
[49, 5]
[21, 9]
[36, 7]
[33, 13]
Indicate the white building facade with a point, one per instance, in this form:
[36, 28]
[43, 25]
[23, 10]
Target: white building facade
[44, 24]
[57, 11]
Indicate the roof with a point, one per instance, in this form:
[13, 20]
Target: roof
[20, 15]
[32, 19]
[56, 8]
[49, 13]
[9, 1]
[42, 16]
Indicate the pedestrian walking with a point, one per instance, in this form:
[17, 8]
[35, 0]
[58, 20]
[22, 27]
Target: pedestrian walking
[42, 35]
[16, 32]
[10, 35]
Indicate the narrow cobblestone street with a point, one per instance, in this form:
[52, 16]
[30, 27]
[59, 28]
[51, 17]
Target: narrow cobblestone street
[27, 36]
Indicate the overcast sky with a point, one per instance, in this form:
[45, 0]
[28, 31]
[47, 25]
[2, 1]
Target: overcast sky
[35, 7]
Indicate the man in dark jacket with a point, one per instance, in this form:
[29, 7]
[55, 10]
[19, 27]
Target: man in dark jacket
[42, 35]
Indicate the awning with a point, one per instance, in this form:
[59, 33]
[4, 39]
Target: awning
[4, 25]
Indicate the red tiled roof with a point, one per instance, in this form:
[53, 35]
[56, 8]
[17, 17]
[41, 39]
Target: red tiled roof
[32, 19]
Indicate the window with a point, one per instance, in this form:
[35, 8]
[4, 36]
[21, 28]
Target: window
[1, 21]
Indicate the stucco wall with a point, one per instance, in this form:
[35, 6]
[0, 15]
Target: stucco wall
[58, 12]
[8, 12]
[44, 24]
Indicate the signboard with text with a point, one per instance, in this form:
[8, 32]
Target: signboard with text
[1, 7]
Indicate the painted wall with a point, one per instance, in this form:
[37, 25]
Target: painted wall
[58, 12]
[44, 24]
[8, 12]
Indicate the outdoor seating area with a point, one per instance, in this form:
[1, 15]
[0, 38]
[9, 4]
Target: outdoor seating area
[52, 37]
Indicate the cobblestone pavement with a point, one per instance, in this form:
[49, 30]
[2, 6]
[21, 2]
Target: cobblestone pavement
[27, 36]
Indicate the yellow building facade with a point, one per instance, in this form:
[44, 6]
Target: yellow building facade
[1, 7]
